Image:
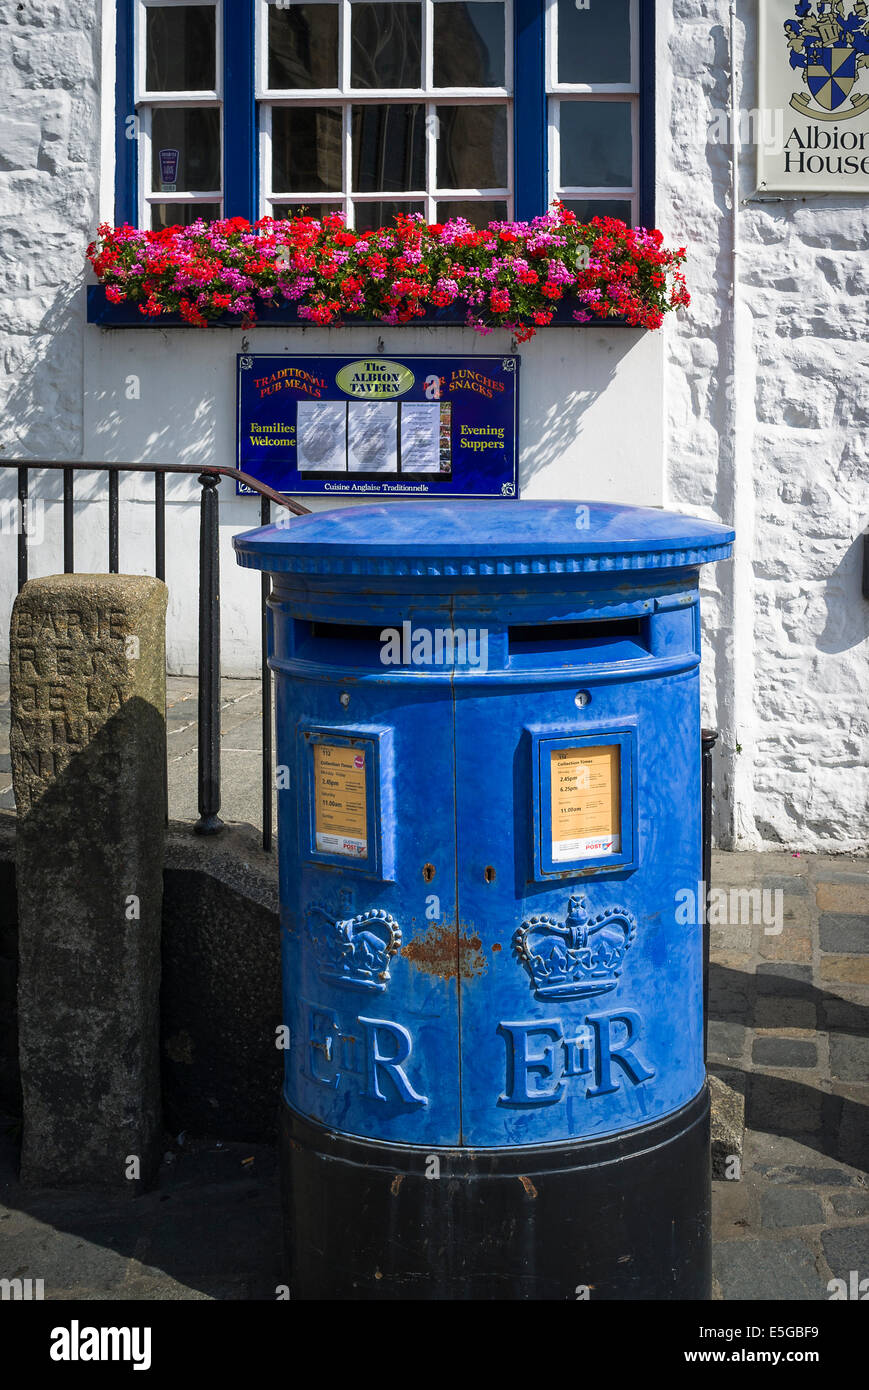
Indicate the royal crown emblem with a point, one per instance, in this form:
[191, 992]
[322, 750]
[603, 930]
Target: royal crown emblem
[576, 958]
[830, 50]
[354, 952]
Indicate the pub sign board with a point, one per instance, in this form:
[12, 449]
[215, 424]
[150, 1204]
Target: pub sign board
[356, 426]
[813, 96]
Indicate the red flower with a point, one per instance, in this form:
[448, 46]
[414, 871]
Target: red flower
[392, 273]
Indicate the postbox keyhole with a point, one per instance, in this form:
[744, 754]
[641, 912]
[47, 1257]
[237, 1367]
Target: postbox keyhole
[428, 872]
[489, 873]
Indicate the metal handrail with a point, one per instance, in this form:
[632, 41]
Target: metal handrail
[209, 475]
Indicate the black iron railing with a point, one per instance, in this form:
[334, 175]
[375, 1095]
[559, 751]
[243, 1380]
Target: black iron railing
[708, 739]
[208, 772]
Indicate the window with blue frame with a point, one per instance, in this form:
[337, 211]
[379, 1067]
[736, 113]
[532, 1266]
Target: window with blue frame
[486, 109]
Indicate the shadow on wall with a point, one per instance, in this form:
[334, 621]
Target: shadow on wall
[593, 359]
[847, 620]
[89, 827]
[42, 412]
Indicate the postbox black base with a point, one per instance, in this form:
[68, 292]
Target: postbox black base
[625, 1217]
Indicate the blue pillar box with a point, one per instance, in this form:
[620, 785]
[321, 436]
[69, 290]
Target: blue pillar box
[488, 728]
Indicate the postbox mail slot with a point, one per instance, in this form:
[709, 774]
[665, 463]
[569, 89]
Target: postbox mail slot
[580, 643]
[357, 645]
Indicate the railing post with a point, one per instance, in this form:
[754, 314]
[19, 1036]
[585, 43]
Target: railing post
[114, 544]
[23, 526]
[209, 658]
[265, 513]
[708, 739]
[68, 521]
[160, 572]
[160, 525]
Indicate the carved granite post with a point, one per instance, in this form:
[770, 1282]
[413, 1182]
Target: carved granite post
[88, 755]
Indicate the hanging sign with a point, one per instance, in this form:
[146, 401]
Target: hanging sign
[813, 96]
[361, 425]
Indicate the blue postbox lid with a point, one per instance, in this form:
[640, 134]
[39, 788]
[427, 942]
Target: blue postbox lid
[483, 537]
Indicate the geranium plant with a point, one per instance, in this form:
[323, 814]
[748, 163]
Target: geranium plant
[509, 275]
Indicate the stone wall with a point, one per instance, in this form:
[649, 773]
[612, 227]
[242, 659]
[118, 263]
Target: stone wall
[766, 419]
[49, 187]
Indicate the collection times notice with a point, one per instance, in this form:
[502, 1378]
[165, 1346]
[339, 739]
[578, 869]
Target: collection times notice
[340, 811]
[585, 811]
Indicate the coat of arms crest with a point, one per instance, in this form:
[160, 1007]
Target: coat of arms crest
[830, 50]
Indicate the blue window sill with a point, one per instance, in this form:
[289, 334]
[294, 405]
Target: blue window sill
[107, 315]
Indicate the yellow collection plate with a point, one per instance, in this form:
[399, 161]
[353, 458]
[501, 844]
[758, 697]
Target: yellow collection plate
[585, 810]
[341, 813]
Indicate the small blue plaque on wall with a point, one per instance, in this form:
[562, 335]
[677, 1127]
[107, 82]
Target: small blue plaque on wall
[406, 426]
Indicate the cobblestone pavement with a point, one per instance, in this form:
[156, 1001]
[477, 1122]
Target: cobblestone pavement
[789, 1027]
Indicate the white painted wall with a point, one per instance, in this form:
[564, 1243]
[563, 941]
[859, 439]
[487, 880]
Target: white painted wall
[767, 426]
[774, 438]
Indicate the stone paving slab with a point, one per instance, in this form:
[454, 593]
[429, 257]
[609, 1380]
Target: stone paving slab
[789, 1023]
[240, 750]
[210, 1229]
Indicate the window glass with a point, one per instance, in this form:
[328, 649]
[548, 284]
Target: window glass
[472, 147]
[303, 46]
[318, 210]
[594, 44]
[468, 44]
[194, 134]
[180, 48]
[181, 214]
[587, 208]
[479, 213]
[388, 148]
[596, 144]
[369, 216]
[306, 149]
[386, 45]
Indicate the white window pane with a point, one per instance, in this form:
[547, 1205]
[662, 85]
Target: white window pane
[472, 147]
[369, 216]
[386, 45]
[180, 48]
[181, 214]
[306, 149]
[594, 44]
[479, 212]
[587, 208]
[318, 210]
[468, 44]
[596, 144]
[187, 138]
[388, 148]
[303, 47]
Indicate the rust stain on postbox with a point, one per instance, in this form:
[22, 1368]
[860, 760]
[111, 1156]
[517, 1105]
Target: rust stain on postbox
[444, 953]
